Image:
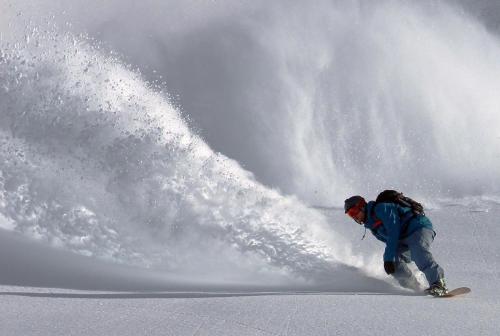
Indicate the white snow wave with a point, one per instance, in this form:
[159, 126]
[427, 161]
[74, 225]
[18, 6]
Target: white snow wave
[96, 161]
[356, 96]
[353, 96]
[34, 264]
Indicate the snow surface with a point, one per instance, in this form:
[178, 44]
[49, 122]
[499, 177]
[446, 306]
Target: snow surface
[469, 256]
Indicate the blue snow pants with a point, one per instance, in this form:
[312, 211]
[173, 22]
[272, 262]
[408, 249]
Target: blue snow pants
[416, 248]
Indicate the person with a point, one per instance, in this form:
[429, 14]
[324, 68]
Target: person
[407, 237]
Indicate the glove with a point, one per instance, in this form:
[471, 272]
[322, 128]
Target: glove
[390, 267]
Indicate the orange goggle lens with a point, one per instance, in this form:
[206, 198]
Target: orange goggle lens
[354, 211]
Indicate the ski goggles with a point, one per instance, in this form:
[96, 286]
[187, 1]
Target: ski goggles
[355, 210]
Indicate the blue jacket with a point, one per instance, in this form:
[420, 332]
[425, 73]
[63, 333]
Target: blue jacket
[397, 223]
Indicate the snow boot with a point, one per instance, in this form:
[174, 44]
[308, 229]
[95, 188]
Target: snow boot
[438, 288]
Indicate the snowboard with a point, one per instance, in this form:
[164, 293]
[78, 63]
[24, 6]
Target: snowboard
[455, 292]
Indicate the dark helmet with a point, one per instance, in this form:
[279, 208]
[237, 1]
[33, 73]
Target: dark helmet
[353, 201]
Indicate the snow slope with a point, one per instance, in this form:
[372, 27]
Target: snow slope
[470, 257]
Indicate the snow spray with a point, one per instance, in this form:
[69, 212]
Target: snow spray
[292, 104]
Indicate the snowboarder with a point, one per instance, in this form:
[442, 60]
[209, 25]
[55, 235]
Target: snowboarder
[407, 235]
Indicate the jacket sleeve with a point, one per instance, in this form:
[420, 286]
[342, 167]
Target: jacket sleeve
[388, 214]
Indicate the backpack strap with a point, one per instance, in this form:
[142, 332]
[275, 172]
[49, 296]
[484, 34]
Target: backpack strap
[378, 222]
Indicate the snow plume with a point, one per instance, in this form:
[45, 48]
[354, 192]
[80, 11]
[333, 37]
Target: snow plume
[363, 96]
[356, 96]
[318, 101]
[97, 161]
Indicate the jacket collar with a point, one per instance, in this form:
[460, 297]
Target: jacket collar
[369, 219]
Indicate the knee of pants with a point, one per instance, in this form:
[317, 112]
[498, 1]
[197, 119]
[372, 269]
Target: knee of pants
[423, 259]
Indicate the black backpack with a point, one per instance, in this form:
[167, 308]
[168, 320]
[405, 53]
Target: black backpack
[393, 196]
